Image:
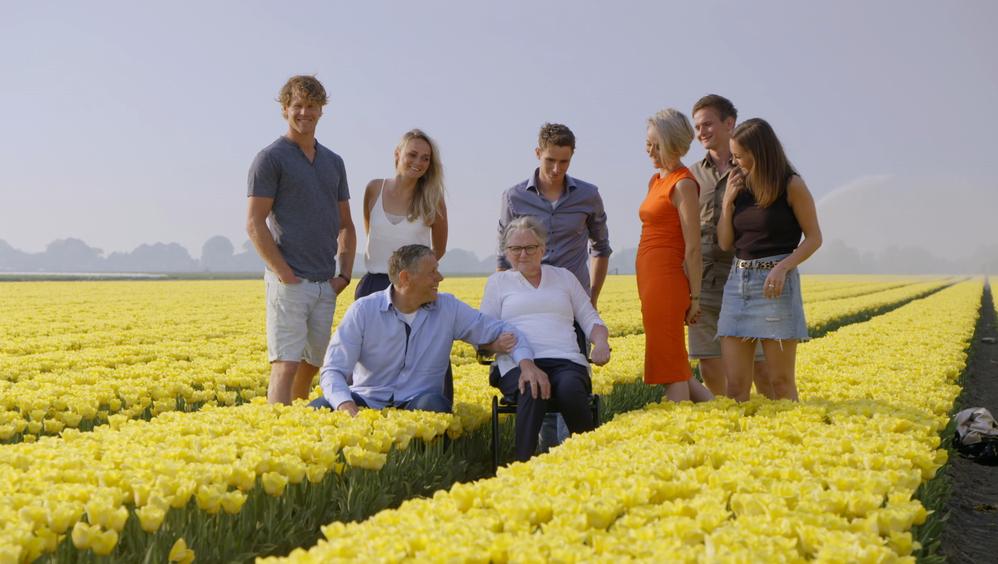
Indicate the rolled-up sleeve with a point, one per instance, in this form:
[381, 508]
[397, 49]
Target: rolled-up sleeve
[599, 235]
[341, 358]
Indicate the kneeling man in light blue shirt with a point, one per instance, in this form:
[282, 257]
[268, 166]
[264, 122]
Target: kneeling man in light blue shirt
[392, 348]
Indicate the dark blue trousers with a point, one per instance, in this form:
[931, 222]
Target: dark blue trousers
[570, 390]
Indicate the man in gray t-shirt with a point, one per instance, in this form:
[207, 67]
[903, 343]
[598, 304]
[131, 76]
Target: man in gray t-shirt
[299, 221]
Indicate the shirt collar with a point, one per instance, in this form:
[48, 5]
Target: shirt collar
[707, 163]
[386, 300]
[532, 182]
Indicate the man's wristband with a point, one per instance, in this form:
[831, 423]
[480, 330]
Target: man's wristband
[347, 280]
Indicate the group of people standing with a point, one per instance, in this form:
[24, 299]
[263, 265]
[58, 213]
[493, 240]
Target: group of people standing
[539, 312]
[720, 245]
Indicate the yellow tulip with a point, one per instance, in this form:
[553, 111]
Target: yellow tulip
[233, 501]
[83, 535]
[180, 553]
[274, 483]
[104, 542]
[150, 517]
[209, 498]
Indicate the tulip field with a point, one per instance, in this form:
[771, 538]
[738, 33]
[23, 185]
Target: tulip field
[134, 429]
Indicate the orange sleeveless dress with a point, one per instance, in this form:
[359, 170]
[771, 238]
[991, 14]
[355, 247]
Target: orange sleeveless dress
[662, 285]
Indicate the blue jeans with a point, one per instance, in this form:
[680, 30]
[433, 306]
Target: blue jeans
[747, 313]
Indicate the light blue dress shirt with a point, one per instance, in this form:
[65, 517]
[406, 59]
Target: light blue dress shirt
[391, 361]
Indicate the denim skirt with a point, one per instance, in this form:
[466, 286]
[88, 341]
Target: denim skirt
[747, 313]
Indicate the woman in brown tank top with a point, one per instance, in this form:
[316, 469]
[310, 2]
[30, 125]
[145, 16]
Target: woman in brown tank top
[766, 210]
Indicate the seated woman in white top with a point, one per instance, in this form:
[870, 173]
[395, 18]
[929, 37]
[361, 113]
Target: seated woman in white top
[543, 302]
[405, 210]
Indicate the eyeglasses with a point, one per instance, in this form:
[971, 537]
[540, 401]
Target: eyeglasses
[529, 249]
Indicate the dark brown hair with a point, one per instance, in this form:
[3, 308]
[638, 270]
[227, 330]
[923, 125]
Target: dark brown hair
[555, 134]
[725, 109]
[772, 169]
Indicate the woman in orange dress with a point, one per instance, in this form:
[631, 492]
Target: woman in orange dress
[669, 260]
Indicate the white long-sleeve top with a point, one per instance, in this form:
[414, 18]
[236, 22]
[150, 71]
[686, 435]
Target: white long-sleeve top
[543, 315]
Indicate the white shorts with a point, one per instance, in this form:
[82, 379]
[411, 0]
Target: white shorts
[299, 319]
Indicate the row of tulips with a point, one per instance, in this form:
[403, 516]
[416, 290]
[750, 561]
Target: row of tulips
[139, 349]
[74, 354]
[834, 287]
[827, 315]
[832, 478]
[214, 477]
[131, 479]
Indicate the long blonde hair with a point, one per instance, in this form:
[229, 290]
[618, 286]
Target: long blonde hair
[430, 187]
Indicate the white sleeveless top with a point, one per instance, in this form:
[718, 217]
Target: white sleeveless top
[385, 237]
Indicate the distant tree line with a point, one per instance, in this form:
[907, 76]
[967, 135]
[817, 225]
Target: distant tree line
[219, 255]
[73, 255]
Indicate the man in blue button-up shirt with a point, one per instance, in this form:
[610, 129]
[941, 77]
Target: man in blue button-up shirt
[570, 209]
[392, 348]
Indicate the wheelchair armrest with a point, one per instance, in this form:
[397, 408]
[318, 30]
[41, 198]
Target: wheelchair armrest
[484, 358]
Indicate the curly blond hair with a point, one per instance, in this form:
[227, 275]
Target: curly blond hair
[306, 87]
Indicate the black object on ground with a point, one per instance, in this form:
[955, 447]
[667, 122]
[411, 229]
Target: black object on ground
[971, 531]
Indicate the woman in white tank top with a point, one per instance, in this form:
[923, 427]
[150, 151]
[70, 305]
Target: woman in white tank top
[404, 210]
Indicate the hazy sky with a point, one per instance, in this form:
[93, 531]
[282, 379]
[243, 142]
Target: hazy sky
[126, 124]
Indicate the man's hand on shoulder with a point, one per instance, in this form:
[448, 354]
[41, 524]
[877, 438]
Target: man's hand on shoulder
[535, 379]
[350, 407]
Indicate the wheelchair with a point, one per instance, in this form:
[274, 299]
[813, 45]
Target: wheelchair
[505, 404]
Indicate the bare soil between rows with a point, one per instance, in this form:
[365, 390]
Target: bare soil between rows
[970, 533]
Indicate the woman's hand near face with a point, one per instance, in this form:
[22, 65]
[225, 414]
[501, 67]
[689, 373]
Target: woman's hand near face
[736, 183]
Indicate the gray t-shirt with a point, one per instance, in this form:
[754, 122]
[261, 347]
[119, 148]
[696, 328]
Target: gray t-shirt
[305, 218]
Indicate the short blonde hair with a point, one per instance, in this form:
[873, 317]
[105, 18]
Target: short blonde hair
[526, 223]
[674, 132]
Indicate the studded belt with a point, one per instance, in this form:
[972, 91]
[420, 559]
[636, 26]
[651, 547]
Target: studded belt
[756, 264]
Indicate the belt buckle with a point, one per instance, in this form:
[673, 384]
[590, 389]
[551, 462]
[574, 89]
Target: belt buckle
[756, 265]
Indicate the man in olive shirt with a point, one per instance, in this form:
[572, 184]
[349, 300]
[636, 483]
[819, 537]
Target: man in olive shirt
[714, 120]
